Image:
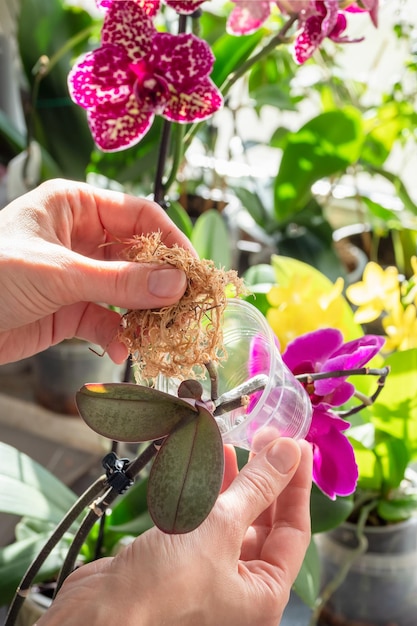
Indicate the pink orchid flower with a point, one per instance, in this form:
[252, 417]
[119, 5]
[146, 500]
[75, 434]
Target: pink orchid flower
[334, 467]
[371, 6]
[322, 20]
[138, 73]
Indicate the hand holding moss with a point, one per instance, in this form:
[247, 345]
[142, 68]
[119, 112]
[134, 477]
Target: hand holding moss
[61, 255]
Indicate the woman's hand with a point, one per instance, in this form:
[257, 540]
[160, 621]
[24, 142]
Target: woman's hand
[236, 569]
[60, 256]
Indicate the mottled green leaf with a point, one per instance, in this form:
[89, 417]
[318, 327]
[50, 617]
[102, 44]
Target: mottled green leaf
[128, 412]
[186, 475]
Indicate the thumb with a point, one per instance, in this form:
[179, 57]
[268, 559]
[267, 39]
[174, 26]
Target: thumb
[262, 480]
[125, 284]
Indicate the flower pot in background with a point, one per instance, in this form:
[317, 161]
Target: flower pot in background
[61, 370]
[380, 587]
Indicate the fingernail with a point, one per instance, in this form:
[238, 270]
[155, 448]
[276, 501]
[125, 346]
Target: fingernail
[166, 282]
[284, 454]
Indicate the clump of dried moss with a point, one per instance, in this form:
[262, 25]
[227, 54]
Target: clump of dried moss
[178, 340]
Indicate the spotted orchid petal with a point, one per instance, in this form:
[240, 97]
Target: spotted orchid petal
[334, 467]
[138, 73]
[186, 7]
[248, 16]
[151, 7]
[371, 6]
[321, 21]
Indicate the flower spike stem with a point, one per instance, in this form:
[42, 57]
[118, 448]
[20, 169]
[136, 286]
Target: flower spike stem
[366, 400]
[360, 371]
[98, 508]
[160, 188]
[278, 39]
[84, 500]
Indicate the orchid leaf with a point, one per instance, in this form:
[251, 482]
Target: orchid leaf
[326, 513]
[27, 488]
[129, 412]
[211, 238]
[16, 558]
[307, 583]
[186, 475]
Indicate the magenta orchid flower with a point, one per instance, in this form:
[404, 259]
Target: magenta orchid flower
[247, 16]
[138, 73]
[334, 468]
[323, 350]
[370, 6]
[322, 20]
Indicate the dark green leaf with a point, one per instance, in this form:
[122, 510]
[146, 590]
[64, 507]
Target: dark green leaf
[231, 52]
[180, 217]
[186, 475]
[326, 513]
[44, 27]
[128, 412]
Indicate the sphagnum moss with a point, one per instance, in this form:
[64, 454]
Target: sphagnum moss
[178, 340]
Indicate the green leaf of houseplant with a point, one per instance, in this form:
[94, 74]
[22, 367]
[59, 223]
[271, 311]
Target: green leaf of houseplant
[186, 475]
[231, 52]
[60, 126]
[129, 412]
[180, 217]
[211, 238]
[16, 558]
[326, 513]
[27, 488]
[326, 145]
[307, 583]
[395, 410]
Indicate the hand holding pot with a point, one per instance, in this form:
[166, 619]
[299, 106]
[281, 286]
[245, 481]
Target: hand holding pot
[237, 568]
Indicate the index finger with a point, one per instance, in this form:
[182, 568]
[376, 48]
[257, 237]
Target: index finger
[102, 215]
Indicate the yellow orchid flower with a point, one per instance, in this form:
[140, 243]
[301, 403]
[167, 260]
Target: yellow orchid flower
[378, 291]
[298, 308]
[401, 328]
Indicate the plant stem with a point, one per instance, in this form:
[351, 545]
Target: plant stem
[84, 500]
[160, 188]
[278, 39]
[97, 509]
[360, 371]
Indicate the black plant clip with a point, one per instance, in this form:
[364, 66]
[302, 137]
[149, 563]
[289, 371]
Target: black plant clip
[116, 472]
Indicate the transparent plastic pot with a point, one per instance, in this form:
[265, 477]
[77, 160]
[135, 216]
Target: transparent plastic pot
[259, 399]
